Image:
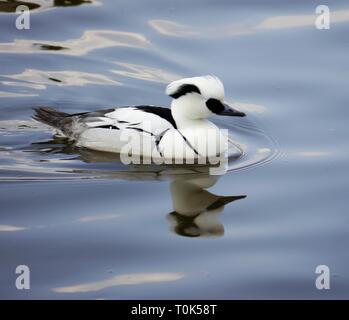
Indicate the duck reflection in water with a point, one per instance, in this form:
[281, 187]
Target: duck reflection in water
[195, 212]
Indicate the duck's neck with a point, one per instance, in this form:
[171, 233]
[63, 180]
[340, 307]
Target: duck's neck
[183, 121]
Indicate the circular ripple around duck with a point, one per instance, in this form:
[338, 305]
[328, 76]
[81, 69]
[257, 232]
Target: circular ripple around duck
[254, 146]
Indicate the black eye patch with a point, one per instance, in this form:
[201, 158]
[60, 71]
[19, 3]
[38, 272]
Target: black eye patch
[184, 89]
[215, 105]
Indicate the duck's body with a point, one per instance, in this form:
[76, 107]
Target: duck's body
[156, 131]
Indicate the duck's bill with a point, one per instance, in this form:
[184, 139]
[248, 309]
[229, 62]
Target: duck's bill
[231, 112]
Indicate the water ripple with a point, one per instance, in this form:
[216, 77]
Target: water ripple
[27, 154]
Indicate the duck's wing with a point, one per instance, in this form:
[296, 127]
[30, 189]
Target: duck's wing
[148, 119]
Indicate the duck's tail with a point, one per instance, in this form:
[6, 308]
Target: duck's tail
[49, 116]
[59, 120]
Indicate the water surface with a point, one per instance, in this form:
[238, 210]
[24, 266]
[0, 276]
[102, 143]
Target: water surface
[89, 227]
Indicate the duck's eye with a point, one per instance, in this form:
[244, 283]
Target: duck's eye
[215, 105]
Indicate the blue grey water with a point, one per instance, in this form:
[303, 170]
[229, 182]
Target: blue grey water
[89, 227]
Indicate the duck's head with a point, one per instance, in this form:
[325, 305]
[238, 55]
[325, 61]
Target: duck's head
[199, 98]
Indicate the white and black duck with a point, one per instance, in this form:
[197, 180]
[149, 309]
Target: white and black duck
[183, 127]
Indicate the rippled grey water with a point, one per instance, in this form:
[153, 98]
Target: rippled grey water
[89, 227]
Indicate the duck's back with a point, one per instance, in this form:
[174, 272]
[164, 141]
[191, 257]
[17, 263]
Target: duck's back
[101, 129]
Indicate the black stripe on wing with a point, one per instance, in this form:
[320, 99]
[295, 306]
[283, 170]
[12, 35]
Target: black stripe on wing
[141, 130]
[164, 113]
[108, 126]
